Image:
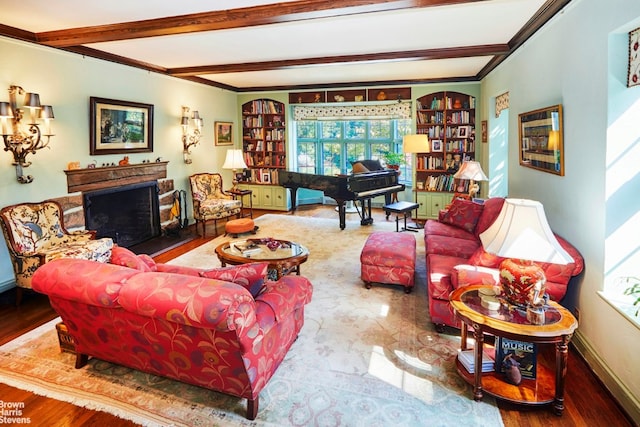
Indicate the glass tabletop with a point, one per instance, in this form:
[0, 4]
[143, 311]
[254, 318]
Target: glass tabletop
[507, 312]
[265, 249]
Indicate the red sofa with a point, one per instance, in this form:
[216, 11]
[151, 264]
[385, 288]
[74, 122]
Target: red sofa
[455, 257]
[178, 322]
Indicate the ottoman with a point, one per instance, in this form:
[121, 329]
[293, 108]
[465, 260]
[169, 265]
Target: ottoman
[239, 226]
[389, 257]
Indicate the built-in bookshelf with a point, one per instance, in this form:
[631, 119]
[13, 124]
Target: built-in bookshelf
[264, 140]
[448, 118]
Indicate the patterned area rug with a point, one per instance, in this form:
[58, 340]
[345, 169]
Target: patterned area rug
[363, 358]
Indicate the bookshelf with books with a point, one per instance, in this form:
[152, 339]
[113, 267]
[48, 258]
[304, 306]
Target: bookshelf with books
[263, 139]
[448, 118]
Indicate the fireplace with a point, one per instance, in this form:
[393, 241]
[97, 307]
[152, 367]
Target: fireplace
[128, 214]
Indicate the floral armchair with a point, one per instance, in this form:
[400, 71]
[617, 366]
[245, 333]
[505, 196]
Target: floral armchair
[210, 202]
[35, 234]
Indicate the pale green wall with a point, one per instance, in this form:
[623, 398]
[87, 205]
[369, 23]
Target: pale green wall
[567, 63]
[66, 81]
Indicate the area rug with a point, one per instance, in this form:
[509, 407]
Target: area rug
[365, 357]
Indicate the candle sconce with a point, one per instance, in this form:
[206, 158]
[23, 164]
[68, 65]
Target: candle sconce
[20, 138]
[190, 138]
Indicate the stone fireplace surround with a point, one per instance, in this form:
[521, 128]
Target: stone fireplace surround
[80, 181]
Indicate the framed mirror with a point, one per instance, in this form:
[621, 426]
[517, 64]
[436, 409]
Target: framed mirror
[541, 141]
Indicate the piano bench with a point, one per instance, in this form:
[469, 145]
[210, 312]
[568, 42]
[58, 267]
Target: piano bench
[403, 208]
[390, 258]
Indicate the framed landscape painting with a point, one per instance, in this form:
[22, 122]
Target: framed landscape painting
[224, 133]
[118, 127]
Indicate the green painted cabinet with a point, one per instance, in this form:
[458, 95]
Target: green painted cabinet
[271, 197]
[430, 203]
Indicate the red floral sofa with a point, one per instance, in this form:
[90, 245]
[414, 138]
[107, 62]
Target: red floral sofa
[455, 257]
[187, 324]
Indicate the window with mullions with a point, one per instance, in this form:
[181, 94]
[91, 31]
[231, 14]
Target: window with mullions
[329, 147]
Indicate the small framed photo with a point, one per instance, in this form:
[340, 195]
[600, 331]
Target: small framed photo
[436, 145]
[223, 133]
[484, 131]
[463, 132]
[118, 127]
[266, 178]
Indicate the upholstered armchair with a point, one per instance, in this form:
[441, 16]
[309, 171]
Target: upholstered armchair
[210, 202]
[35, 234]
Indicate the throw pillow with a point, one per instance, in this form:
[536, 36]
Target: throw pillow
[483, 258]
[463, 214]
[250, 276]
[126, 258]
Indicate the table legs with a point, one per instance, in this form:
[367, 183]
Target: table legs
[562, 350]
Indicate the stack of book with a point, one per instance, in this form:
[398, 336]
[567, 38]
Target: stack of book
[467, 358]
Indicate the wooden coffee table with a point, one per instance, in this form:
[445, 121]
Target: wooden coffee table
[285, 258]
[548, 386]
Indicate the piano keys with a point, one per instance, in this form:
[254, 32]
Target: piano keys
[360, 187]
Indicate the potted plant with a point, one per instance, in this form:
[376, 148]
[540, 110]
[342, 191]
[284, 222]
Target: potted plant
[393, 160]
[633, 290]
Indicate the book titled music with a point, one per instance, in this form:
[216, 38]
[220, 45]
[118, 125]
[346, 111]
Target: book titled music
[524, 354]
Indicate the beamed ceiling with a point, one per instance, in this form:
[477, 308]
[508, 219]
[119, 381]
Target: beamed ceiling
[249, 45]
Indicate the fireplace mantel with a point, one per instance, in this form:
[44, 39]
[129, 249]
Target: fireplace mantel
[91, 179]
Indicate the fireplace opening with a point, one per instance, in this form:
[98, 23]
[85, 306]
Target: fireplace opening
[128, 214]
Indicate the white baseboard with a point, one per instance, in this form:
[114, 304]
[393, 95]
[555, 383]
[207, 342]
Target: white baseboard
[6, 285]
[617, 389]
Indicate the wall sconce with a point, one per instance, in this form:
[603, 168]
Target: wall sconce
[190, 138]
[22, 139]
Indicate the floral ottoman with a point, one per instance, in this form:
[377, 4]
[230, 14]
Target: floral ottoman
[389, 257]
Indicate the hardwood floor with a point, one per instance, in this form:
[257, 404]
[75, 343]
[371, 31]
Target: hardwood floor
[587, 402]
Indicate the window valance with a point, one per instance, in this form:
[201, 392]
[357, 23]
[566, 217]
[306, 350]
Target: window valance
[394, 110]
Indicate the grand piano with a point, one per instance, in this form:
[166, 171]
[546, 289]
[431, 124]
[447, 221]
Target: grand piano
[359, 187]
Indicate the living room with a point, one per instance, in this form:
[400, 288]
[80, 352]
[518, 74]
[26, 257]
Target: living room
[579, 59]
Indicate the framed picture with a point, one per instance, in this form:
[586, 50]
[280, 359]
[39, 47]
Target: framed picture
[633, 77]
[540, 138]
[463, 132]
[436, 145]
[224, 133]
[484, 131]
[118, 127]
[266, 178]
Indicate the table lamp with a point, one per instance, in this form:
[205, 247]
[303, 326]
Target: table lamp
[472, 171]
[234, 161]
[522, 235]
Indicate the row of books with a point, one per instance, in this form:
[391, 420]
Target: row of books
[459, 117]
[444, 182]
[506, 352]
[460, 145]
[447, 103]
[263, 176]
[265, 107]
[429, 163]
[259, 145]
[258, 158]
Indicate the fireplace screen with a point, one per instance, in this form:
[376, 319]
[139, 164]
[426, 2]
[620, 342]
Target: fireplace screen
[128, 214]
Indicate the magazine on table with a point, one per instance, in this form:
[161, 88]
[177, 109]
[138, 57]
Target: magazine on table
[521, 352]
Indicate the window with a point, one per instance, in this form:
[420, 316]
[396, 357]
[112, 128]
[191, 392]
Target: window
[329, 147]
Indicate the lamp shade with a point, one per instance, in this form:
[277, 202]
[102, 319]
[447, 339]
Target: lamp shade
[234, 160]
[415, 143]
[5, 110]
[471, 170]
[46, 112]
[554, 140]
[521, 231]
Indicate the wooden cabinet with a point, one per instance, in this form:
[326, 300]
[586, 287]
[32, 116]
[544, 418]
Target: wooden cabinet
[448, 118]
[430, 203]
[263, 139]
[271, 197]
